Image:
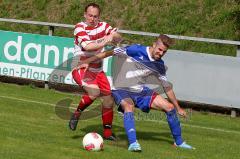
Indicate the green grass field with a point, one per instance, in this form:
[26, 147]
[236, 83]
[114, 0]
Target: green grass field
[30, 128]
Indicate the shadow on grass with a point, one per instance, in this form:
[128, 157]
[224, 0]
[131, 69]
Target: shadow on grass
[122, 138]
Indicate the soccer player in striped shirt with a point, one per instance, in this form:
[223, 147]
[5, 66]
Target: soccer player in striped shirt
[137, 66]
[90, 38]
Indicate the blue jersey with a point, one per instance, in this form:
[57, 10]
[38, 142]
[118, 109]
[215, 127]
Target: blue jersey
[140, 54]
[133, 69]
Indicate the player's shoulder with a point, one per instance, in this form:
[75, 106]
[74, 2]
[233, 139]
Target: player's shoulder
[136, 47]
[80, 25]
[103, 23]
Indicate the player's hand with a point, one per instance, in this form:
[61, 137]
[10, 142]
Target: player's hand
[113, 38]
[117, 38]
[182, 112]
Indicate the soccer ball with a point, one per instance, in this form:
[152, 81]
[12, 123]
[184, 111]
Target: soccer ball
[92, 142]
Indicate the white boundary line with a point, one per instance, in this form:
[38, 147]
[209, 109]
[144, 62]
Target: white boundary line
[201, 127]
[37, 102]
[188, 125]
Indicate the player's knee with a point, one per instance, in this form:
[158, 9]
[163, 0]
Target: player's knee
[111, 101]
[93, 97]
[128, 107]
[92, 91]
[169, 107]
[108, 101]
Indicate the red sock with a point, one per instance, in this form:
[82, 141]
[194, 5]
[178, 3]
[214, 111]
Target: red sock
[84, 103]
[107, 118]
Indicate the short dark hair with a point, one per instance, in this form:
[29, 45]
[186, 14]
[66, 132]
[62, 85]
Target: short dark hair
[166, 40]
[93, 5]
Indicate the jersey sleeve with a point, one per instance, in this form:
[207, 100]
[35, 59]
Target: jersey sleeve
[81, 36]
[133, 50]
[119, 50]
[109, 29]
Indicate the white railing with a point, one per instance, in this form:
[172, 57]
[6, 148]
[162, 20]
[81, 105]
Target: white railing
[53, 25]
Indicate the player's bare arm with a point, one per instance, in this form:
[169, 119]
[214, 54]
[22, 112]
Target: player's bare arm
[112, 38]
[171, 96]
[102, 55]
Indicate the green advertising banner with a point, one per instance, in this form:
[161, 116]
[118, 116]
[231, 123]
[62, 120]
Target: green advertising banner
[36, 56]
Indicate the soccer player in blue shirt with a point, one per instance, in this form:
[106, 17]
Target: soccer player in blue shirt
[127, 96]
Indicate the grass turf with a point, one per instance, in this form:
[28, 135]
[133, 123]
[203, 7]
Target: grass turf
[31, 128]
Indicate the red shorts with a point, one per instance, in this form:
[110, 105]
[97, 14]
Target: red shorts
[82, 78]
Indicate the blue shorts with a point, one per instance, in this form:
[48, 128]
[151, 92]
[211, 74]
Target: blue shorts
[142, 100]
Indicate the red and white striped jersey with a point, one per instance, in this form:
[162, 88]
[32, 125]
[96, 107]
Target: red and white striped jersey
[84, 35]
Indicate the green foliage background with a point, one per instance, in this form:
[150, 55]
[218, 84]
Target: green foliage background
[219, 19]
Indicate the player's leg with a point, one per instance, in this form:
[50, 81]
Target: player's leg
[90, 87]
[160, 103]
[129, 124]
[123, 100]
[107, 105]
[149, 99]
[128, 119]
[91, 93]
[107, 117]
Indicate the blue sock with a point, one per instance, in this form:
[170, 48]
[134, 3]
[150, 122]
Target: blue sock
[175, 126]
[129, 125]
